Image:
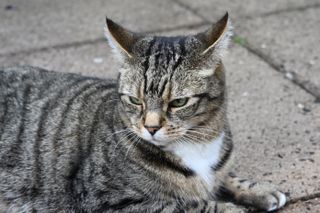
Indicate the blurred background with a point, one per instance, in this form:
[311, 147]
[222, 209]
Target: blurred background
[272, 67]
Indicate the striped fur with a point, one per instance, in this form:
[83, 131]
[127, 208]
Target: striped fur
[70, 143]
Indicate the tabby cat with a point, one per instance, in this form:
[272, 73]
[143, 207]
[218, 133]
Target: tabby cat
[155, 140]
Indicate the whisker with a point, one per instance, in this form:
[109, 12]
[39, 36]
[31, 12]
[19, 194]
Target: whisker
[135, 139]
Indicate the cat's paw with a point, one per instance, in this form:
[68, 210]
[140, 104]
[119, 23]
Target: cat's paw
[264, 196]
[275, 200]
[231, 208]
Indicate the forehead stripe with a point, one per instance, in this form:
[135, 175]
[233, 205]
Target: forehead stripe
[146, 62]
[147, 54]
[158, 54]
[182, 52]
[163, 86]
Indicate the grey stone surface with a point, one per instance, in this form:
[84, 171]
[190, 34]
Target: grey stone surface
[36, 23]
[290, 39]
[212, 9]
[276, 126]
[89, 59]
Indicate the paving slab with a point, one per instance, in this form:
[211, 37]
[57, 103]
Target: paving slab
[290, 40]
[90, 59]
[34, 24]
[212, 9]
[276, 126]
[94, 59]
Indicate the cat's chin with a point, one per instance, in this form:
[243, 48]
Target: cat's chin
[160, 144]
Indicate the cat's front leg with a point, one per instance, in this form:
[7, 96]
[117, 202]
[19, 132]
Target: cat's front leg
[261, 195]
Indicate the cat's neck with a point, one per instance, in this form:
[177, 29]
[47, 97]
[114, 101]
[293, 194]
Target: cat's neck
[200, 157]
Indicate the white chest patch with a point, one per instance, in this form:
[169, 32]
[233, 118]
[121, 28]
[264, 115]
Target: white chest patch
[200, 157]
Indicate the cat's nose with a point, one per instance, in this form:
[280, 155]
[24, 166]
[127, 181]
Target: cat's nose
[152, 129]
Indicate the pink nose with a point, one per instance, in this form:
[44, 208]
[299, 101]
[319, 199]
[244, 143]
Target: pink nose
[152, 129]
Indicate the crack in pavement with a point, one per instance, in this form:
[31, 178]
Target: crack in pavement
[294, 77]
[287, 10]
[304, 198]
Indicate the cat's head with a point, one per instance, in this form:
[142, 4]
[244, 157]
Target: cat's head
[172, 88]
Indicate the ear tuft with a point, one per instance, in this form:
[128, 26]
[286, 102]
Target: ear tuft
[120, 39]
[217, 37]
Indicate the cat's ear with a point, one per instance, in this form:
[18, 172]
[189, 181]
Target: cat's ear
[120, 39]
[217, 37]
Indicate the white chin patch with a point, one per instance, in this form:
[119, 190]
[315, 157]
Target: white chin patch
[146, 135]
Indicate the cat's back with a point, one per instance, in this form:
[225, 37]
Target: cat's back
[45, 124]
[47, 82]
[33, 100]
[27, 88]
[38, 83]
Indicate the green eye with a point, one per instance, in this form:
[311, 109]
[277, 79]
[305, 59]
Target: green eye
[179, 102]
[134, 100]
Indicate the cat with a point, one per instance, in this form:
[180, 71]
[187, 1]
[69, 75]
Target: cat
[155, 140]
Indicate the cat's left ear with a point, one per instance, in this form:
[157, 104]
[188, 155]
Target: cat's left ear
[216, 39]
[120, 39]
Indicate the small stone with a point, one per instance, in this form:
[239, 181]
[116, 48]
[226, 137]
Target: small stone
[263, 46]
[98, 60]
[301, 106]
[312, 62]
[289, 75]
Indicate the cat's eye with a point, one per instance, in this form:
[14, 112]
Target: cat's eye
[179, 102]
[135, 101]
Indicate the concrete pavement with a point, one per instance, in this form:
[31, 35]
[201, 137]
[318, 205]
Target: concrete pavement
[272, 69]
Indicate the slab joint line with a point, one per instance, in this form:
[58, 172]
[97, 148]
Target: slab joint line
[294, 77]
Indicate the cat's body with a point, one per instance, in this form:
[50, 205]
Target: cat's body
[60, 148]
[70, 143]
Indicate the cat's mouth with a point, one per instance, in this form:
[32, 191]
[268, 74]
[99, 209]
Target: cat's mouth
[161, 138]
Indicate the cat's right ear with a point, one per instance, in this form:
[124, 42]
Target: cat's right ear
[216, 38]
[120, 39]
